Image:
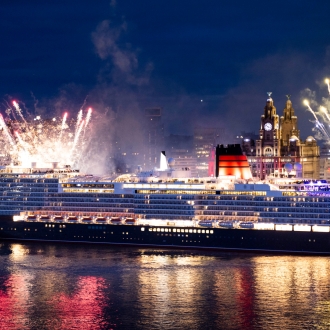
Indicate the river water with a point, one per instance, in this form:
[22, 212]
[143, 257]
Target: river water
[54, 286]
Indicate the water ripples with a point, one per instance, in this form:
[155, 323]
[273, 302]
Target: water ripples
[53, 286]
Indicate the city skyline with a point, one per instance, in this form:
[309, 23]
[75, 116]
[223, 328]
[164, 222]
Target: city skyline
[164, 164]
[201, 65]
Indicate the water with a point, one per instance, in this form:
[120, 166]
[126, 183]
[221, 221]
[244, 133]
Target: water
[49, 286]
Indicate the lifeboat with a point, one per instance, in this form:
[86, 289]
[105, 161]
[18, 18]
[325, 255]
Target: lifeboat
[206, 223]
[44, 217]
[101, 220]
[31, 217]
[72, 218]
[86, 219]
[247, 225]
[58, 218]
[115, 220]
[130, 221]
[226, 224]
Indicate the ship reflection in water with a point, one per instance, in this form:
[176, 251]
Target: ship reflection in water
[45, 286]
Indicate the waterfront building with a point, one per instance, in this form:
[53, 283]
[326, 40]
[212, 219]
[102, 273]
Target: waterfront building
[279, 151]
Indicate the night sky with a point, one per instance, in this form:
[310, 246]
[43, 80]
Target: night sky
[124, 56]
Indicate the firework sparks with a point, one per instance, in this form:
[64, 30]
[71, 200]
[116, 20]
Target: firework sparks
[320, 115]
[18, 110]
[327, 81]
[41, 140]
[325, 111]
[64, 121]
[310, 109]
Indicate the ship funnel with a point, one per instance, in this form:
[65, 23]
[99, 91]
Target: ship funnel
[163, 161]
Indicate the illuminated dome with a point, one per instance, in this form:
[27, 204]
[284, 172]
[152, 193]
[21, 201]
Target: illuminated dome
[310, 139]
[294, 138]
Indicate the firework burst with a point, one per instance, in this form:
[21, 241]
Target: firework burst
[321, 115]
[41, 141]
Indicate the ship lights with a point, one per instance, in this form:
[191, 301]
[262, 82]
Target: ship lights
[283, 227]
[264, 226]
[321, 229]
[17, 218]
[302, 228]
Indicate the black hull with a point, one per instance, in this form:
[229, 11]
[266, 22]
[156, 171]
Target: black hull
[268, 241]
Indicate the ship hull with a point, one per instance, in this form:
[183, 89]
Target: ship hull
[269, 241]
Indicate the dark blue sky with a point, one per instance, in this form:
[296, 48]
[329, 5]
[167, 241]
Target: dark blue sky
[128, 55]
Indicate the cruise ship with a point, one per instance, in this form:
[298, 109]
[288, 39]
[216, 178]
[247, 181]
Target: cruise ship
[167, 208]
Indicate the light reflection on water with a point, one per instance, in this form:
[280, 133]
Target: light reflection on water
[47, 286]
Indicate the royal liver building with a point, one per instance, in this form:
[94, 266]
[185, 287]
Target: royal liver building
[279, 151]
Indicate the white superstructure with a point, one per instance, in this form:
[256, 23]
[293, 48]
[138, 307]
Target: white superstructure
[163, 197]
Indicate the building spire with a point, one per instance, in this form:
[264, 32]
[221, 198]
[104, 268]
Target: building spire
[270, 110]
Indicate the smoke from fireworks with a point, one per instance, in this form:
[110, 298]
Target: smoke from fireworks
[322, 116]
[41, 141]
[79, 118]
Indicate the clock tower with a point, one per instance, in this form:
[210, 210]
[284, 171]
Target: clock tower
[279, 151]
[268, 144]
[289, 129]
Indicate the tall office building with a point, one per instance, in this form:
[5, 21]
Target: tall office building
[154, 137]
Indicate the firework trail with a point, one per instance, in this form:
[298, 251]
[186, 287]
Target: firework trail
[310, 109]
[63, 124]
[76, 138]
[18, 110]
[88, 117]
[322, 114]
[84, 103]
[319, 125]
[325, 111]
[64, 120]
[327, 81]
